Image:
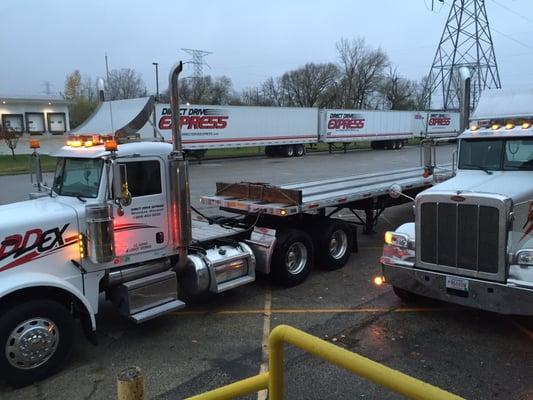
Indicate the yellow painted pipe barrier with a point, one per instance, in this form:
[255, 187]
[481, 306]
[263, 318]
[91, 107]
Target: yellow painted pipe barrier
[236, 389]
[359, 365]
[362, 366]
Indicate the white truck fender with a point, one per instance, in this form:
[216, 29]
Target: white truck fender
[25, 280]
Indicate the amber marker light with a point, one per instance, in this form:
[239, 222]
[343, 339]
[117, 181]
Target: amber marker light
[34, 144]
[379, 280]
[110, 145]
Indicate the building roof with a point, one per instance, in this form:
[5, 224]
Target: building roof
[16, 98]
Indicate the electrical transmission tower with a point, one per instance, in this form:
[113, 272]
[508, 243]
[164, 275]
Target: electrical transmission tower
[466, 41]
[198, 60]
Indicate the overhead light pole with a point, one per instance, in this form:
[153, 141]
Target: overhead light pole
[156, 80]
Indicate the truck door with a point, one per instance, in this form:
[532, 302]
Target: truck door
[144, 225]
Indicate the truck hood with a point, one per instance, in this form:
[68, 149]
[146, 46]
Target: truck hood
[513, 184]
[33, 229]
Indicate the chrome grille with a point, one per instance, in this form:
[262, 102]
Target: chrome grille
[463, 238]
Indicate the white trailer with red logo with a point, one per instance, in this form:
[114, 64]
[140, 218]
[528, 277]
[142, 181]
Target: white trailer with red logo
[384, 129]
[436, 124]
[283, 130]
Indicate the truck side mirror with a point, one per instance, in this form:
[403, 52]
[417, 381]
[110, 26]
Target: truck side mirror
[121, 194]
[395, 191]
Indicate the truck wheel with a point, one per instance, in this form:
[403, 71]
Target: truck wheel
[299, 150]
[334, 244]
[35, 338]
[293, 257]
[405, 295]
[288, 150]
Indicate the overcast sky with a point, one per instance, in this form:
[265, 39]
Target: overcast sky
[44, 40]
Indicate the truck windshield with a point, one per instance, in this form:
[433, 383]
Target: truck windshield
[497, 154]
[78, 177]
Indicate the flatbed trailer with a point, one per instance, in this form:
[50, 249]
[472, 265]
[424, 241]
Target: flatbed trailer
[368, 193]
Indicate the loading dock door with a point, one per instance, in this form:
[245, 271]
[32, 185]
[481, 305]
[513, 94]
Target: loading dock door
[56, 122]
[35, 122]
[13, 121]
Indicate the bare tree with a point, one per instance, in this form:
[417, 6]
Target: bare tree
[11, 138]
[207, 90]
[305, 86]
[125, 83]
[362, 69]
[398, 92]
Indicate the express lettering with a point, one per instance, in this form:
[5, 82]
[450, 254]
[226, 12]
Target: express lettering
[34, 239]
[440, 121]
[195, 122]
[346, 123]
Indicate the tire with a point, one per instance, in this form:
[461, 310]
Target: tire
[299, 149]
[288, 150]
[334, 245]
[292, 259]
[35, 317]
[396, 145]
[269, 151]
[405, 295]
[400, 144]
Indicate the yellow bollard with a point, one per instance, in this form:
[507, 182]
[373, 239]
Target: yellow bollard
[130, 384]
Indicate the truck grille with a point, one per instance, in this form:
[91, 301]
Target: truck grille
[462, 236]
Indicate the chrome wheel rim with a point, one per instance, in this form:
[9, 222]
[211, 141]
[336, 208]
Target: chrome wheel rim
[338, 244]
[32, 343]
[296, 258]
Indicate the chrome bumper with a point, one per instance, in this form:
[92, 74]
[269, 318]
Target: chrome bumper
[491, 296]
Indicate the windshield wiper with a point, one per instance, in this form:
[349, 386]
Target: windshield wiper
[81, 199]
[480, 167]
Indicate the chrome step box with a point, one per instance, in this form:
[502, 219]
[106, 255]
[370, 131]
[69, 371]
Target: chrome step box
[147, 297]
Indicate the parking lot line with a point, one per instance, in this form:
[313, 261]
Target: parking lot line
[317, 311]
[524, 330]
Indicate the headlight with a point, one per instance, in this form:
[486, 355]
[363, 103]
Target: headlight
[524, 257]
[398, 240]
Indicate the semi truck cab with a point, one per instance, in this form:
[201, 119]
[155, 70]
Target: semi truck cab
[472, 239]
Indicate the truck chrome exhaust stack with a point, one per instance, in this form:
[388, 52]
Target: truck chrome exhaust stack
[464, 100]
[179, 177]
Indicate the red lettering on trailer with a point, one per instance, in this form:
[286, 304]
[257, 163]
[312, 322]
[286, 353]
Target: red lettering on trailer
[346, 123]
[440, 121]
[195, 122]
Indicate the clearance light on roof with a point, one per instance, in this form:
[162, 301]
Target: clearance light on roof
[526, 125]
[495, 127]
[75, 143]
[88, 143]
[509, 126]
[110, 145]
[474, 127]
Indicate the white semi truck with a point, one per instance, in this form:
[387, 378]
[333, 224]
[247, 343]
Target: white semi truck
[472, 239]
[117, 221]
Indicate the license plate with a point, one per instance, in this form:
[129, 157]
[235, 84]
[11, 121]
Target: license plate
[452, 282]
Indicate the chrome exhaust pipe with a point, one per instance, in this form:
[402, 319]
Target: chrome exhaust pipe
[179, 177]
[464, 100]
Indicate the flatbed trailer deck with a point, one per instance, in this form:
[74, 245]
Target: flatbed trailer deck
[367, 192]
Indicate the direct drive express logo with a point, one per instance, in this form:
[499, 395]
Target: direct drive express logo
[345, 121]
[196, 118]
[439, 120]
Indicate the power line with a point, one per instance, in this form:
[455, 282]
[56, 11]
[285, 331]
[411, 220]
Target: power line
[512, 11]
